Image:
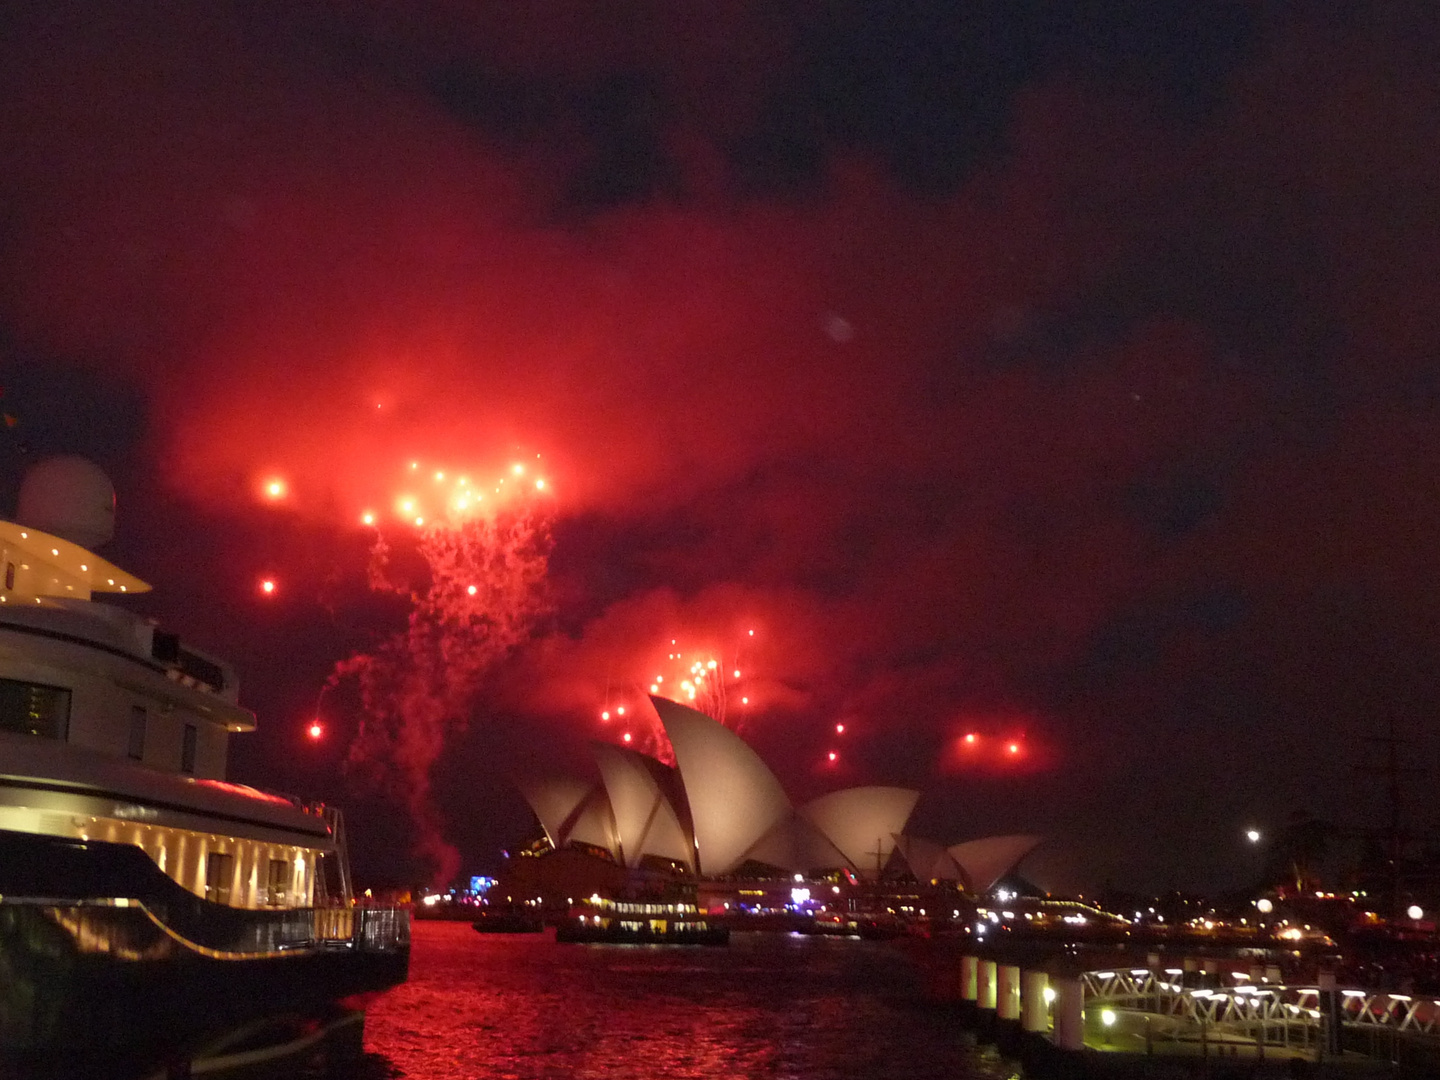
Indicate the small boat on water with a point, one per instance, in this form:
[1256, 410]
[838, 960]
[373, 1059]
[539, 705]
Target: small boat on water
[147, 906]
[601, 920]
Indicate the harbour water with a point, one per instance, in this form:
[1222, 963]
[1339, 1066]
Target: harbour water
[521, 1007]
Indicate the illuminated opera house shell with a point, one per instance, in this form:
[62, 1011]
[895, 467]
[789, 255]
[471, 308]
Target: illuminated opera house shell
[977, 864]
[719, 808]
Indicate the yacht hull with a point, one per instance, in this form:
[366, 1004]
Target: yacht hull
[105, 961]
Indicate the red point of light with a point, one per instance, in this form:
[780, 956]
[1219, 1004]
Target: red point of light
[839, 729]
[626, 736]
[971, 739]
[1013, 748]
[315, 730]
[275, 488]
[832, 755]
[267, 586]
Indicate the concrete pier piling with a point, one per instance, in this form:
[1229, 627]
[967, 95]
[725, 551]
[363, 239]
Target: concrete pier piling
[1034, 1008]
[1068, 1013]
[969, 972]
[985, 986]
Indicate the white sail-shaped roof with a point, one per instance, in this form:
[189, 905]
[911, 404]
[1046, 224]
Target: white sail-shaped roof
[927, 860]
[794, 844]
[734, 799]
[571, 809]
[987, 861]
[645, 820]
[554, 799]
[862, 822]
[594, 824]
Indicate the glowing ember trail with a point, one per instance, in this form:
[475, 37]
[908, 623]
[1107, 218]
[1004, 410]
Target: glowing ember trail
[484, 590]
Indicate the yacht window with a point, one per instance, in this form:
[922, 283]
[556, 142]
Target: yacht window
[219, 872]
[279, 879]
[187, 749]
[9, 575]
[136, 749]
[34, 709]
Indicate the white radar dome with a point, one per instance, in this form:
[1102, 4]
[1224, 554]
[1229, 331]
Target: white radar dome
[71, 498]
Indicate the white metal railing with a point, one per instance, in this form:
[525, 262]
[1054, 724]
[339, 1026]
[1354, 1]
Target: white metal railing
[1398, 1012]
[1271, 1014]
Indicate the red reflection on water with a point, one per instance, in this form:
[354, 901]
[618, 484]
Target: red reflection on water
[769, 1005]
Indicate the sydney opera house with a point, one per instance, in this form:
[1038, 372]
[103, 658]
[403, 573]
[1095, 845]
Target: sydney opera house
[720, 812]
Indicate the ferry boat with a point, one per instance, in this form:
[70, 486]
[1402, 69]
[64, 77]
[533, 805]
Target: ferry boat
[148, 907]
[602, 920]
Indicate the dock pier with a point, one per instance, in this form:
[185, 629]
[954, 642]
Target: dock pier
[1068, 1013]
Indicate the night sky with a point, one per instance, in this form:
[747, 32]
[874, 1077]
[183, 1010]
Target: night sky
[1063, 373]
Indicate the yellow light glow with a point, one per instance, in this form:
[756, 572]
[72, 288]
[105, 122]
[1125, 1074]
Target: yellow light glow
[367, 518]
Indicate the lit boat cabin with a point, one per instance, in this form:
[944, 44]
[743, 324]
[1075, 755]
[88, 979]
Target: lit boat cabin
[111, 729]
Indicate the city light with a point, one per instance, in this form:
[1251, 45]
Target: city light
[1253, 835]
[315, 730]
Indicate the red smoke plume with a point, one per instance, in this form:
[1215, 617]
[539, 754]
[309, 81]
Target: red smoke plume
[482, 593]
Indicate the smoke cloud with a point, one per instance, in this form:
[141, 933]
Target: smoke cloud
[1081, 384]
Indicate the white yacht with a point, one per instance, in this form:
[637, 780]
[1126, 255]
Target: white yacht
[147, 905]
